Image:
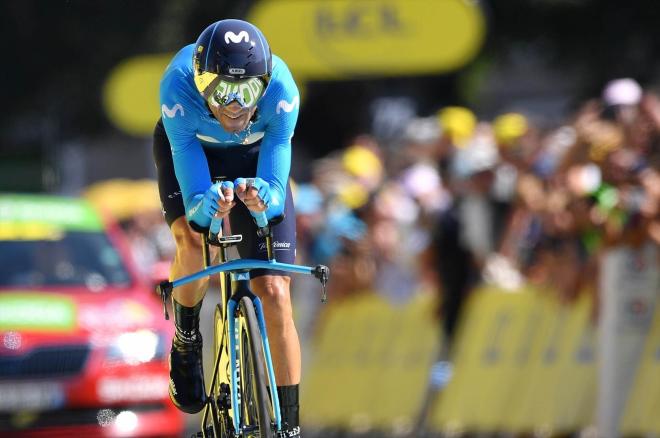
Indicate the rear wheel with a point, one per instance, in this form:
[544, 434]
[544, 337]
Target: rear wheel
[256, 412]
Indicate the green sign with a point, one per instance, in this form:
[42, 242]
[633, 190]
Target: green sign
[69, 214]
[30, 311]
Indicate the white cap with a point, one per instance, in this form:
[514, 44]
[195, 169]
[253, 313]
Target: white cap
[480, 154]
[624, 91]
[422, 130]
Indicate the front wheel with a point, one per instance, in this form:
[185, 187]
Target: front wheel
[220, 392]
[257, 417]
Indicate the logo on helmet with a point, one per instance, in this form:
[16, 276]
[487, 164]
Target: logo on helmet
[237, 71]
[236, 38]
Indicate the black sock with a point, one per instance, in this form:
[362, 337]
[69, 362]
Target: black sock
[288, 395]
[186, 322]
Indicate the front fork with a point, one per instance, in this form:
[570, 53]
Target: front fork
[240, 286]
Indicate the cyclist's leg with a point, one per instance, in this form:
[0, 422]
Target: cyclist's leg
[186, 370]
[188, 257]
[187, 260]
[274, 290]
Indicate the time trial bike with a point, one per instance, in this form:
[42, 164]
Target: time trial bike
[242, 396]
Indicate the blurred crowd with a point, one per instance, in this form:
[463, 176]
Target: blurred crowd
[455, 202]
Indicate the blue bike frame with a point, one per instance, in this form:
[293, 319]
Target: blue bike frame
[239, 271]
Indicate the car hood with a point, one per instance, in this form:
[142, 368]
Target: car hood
[75, 315]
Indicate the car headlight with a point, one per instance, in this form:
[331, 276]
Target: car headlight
[136, 347]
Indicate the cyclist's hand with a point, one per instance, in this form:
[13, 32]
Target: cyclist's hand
[217, 200]
[225, 198]
[254, 192]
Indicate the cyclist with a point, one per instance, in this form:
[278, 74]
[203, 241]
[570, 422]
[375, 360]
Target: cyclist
[229, 109]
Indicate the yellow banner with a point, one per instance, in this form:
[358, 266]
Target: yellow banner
[523, 363]
[329, 39]
[641, 415]
[130, 94]
[339, 38]
[371, 363]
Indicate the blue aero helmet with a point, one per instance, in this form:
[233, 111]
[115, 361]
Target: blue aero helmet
[232, 61]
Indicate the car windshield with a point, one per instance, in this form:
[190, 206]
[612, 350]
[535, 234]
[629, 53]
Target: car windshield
[72, 258]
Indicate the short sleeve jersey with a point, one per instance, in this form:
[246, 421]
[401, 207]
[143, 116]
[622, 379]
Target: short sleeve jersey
[190, 127]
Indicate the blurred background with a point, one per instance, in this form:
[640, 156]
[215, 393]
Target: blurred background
[482, 178]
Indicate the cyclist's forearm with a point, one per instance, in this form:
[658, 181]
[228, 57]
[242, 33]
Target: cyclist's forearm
[274, 167]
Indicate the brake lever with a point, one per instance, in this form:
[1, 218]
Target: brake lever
[323, 274]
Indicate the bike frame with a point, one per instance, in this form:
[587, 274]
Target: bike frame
[236, 286]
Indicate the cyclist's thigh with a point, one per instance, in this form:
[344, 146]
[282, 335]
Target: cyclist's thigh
[168, 186]
[254, 247]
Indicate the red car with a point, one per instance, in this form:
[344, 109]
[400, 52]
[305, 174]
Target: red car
[83, 341]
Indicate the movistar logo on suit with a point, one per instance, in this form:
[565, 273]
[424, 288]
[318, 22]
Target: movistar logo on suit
[287, 107]
[171, 112]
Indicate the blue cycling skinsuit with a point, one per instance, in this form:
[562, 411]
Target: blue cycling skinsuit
[191, 148]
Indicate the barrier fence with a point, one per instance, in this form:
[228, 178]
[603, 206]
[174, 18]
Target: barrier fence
[371, 363]
[523, 363]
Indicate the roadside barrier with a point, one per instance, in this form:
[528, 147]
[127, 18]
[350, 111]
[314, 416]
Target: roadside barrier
[523, 363]
[371, 363]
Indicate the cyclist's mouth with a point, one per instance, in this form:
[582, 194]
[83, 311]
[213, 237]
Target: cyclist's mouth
[233, 114]
[233, 118]
[234, 122]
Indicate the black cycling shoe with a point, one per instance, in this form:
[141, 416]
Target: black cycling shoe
[186, 387]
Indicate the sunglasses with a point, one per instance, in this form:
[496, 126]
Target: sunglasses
[220, 91]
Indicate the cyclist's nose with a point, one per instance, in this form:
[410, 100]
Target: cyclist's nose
[233, 109]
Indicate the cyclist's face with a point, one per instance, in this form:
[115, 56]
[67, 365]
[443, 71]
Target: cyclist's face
[233, 117]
